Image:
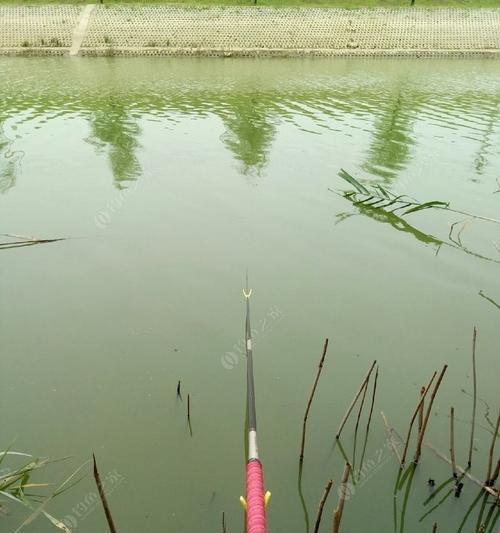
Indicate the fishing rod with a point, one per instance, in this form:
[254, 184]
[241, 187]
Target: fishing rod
[256, 500]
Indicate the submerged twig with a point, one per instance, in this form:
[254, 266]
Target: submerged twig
[337, 515]
[102, 495]
[353, 403]
[469, 511]
[390, 431]
[474, 398]
[481, 293]
[311, 397]
[326, 492]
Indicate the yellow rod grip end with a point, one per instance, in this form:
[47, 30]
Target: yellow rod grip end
[243, 502]
[267, 497]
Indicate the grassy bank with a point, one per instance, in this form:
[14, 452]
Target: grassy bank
[351, 4]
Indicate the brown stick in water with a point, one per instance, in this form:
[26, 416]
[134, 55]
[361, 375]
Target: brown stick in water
[452, 442]
[337, 515]
[102, 495]
[422, 399]
[353, 403]
[427, 415]
[326, 492]
[489, 477]
[421, 411]
[309, 403]
[474, 397]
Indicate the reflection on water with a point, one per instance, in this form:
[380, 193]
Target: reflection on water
[392, 137]
[250, 132]
[9, 162]
[101, 327]
[388, 104]
[115, 131]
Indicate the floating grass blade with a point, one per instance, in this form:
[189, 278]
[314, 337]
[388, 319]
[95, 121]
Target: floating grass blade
[353, 181]
[427, 205]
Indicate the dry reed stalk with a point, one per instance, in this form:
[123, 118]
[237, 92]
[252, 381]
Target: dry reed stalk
[360, 410]
[353, 403]
[311, 397]
[415, 413]
[421, 411]
[474, 398]
[326, 492]
[337, 515]
[492, 450]
[374, 392]
[418, 452]
[367, 431]
[102, 495]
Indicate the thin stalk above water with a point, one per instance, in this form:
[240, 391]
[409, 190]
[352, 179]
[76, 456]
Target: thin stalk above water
[474, 399]
[311, 397]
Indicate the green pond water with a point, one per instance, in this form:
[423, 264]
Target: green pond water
[170, 177]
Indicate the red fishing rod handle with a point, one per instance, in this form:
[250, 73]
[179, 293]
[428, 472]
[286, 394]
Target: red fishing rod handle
[256, 506]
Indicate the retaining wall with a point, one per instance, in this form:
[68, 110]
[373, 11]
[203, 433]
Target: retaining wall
[256, 31]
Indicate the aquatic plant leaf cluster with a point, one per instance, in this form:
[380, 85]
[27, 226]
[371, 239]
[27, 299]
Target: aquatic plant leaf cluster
[16, 485]
[380, 198]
